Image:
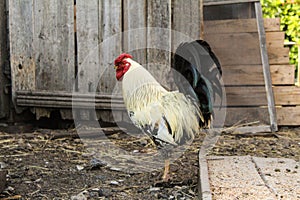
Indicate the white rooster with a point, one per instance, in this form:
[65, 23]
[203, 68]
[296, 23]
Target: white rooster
[169, 118]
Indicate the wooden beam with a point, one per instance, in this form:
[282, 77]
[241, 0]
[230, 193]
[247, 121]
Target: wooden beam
[266, 66]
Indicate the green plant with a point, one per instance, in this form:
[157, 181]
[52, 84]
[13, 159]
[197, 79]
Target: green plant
[289, 13]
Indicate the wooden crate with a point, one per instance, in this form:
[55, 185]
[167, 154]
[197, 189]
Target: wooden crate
[286, 93]
[235, 32]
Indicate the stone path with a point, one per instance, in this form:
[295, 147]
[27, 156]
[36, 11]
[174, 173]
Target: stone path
[247, 177]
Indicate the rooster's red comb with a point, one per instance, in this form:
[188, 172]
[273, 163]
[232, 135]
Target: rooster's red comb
[121, 57]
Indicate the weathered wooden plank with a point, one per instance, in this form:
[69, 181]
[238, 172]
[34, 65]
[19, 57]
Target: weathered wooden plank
[282, 74]
[239, 25]
[287, 95]
[220, 11]
[288, 116]
[230, 26]
[274, 39]
[235, 75]
[135, 27]
[21, 46]
[279, 55]
[4, 98]
[186, 19]
[159, 39]
[53, 41]
[242, 115]
[89, 69]
[272, 24]
[243, 75]
[110, 35]
[232, 48]
[98, 45]
[246, 96]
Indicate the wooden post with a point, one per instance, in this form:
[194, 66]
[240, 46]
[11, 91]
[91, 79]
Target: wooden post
[4, 98]
[266, 66]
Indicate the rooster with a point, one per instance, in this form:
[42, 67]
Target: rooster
[169, 118]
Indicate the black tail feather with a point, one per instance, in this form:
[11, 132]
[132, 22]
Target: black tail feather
[199, 75]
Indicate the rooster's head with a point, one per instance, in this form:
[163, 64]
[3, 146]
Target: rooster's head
[122, 65]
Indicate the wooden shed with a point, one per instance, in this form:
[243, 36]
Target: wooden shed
[61, 53]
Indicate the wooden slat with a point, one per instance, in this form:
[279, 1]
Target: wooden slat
[89, 69]
[235, 75]
[53, 42]
[283, 74]
[243, 75]
[21, 48]
[246, 96]
[230, 26]
[186, 19]
[232, 48]
[4, 98]
[274, 39]
[288, 116]
[135, 23]
[278, 56]
[159, 39]
[110, 32]
[287, 95]
[239, 25]
[272, 24]
[241, 115]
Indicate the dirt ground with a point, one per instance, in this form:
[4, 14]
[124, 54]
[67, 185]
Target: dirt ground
[55, 164]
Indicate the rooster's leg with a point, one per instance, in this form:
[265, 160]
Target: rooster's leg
[166, 175]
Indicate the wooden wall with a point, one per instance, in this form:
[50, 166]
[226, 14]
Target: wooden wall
[48, 48]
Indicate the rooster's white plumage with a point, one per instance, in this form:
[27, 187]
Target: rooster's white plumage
[169, 118]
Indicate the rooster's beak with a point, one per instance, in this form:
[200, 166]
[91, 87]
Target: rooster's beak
[115, 67]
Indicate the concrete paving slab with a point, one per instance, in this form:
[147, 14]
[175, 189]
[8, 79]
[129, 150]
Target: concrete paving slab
[281, 175]
[237, 177]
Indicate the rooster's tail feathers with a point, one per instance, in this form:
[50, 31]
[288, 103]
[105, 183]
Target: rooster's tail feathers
[201, 69]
